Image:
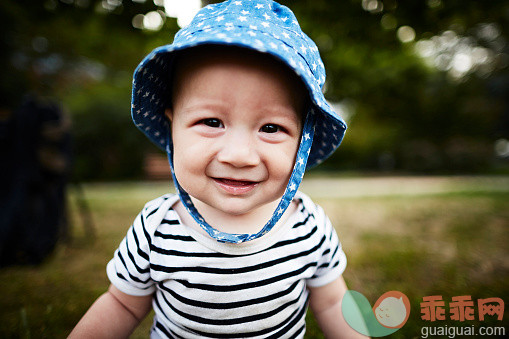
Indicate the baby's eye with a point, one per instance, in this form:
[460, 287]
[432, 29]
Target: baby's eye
[271, 128]
[212, 122]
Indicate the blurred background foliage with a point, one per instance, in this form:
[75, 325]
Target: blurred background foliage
[423, 84]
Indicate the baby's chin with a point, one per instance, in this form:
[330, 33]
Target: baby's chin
[241, 209]
[238, 208]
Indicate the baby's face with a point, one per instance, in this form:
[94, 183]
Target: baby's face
[236, 123]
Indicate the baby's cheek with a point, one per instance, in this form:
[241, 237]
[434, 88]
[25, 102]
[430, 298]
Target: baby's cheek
[186, 167]
[283, 167]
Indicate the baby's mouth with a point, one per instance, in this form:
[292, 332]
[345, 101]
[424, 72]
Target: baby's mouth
[234, 186]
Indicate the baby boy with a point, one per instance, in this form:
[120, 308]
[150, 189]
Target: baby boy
[236, 103]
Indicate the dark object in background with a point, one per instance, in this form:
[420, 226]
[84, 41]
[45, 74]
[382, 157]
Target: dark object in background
[35, 151]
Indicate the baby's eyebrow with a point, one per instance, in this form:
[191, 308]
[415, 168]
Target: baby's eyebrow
[202, 106]
[282, 111]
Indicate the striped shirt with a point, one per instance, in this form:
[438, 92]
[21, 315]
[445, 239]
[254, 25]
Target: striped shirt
[206, 289]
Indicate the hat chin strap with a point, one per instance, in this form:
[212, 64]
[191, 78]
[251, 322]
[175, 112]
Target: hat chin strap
[290, 191]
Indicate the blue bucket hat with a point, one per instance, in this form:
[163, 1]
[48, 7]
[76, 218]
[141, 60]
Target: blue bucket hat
[260, 25]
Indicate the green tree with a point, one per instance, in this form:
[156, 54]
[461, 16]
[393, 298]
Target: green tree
[409, 115]
[405, 112]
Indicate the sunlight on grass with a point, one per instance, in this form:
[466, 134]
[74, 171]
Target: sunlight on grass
[431, 244]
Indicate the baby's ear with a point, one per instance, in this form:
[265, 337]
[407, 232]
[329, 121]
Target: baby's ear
[169, 114]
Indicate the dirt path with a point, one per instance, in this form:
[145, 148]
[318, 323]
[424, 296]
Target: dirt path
[380, 186]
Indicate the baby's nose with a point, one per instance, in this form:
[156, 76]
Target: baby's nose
[238, 149]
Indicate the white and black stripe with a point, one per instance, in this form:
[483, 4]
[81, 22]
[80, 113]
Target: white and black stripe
[206, 289]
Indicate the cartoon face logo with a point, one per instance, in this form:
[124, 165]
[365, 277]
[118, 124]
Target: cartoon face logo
[392, 309]
[390, 313]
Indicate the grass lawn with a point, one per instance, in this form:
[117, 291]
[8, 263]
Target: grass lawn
[447, 242]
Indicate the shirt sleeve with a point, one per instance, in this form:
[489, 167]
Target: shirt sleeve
[129, 270]
[332, 259]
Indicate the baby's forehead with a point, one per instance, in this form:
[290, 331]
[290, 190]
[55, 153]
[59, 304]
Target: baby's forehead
[205, 55]
[231, 59]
